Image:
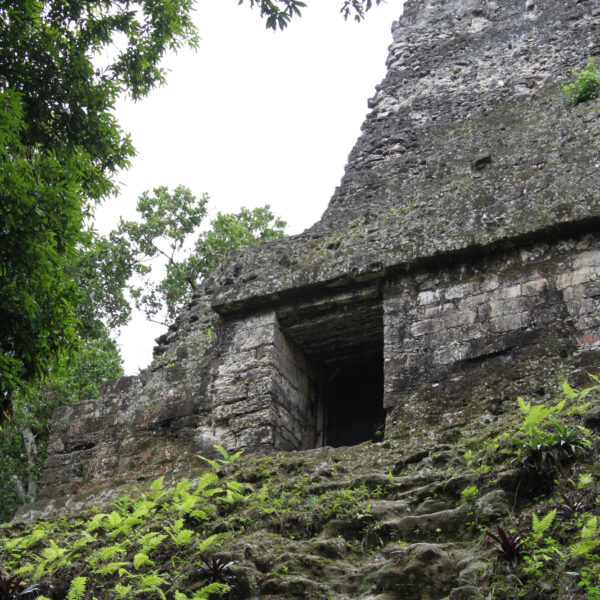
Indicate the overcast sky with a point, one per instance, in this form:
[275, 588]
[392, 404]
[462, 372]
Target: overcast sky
[253, 117]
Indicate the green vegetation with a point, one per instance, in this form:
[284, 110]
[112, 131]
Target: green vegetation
[24, 438]
[63, 67]
[168, 230]
[586, 85]
[279, 13]
[60, 147]
[346, 522]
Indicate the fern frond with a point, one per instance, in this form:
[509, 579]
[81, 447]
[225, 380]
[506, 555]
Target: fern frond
[209, 541]
[109, 551]
[221, 451]
[157, 484]
[232, 497]
[77, 588]
[151, 540]
[187, 503]
[590, 529]
[95, 522]
[207, 479]
[183, 486]
[26, 568]
[541, 526]
[264, 493]
[141, 559]
[112, 520]
[143, 508]
[179, 535]
[199, 514]
[235, 486]
[213, 463]
[213, 588]
[110, 568]
[584, 547]
[122, 591]
[568, 391]
[83, 541]
[524, 407]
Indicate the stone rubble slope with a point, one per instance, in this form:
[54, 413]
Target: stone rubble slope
[371, 522]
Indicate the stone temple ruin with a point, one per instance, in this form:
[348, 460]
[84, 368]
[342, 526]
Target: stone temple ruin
[456, 267]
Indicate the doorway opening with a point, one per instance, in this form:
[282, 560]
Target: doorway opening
[341, 342]
[353, 404]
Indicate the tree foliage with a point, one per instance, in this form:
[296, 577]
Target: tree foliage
[24, 438]
[169, 230]
[60, 146]
[279, 13]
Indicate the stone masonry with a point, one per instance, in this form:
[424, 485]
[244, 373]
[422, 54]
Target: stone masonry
[456, 267]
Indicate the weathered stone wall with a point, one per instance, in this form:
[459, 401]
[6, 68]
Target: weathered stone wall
[451, 333]
[461, 250]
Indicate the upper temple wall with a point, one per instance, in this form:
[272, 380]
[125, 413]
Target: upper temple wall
[470, 142]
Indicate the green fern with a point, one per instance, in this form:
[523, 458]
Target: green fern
[213, 588]
[77, 588]
[541, 526]
[110, 568]
[105, 553]
[157, 485]
[112, 521]
[536, 414]
[209, 541]
[95, 522]
[213, 463]
[150, 583]
[228, 459]
[123, 591]
[590, 529]
[141, 559]
[204, 593]
[37, 535]
[183, 486]
[144, 508]
[207, 479]
[589, 538]
[584, 547]
[151, 540]
[83, 541]
[179, 535]
[186, 503]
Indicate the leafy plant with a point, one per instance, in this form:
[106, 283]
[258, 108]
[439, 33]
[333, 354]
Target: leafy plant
[541, 526]
[544, 445]
[584, 480]
[77, 588]
[508, 546]
[469, 494]
[228, 459]
[536, 414]
[178, 534]
[586, 85]
[589, 538]
[13, 588]
[218, 589]
[216, 568]
[570, 507]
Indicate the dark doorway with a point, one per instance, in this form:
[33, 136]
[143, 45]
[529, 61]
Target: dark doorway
[354, 404]
[339, 340]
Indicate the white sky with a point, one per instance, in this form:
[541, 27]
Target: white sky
[253, 117]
